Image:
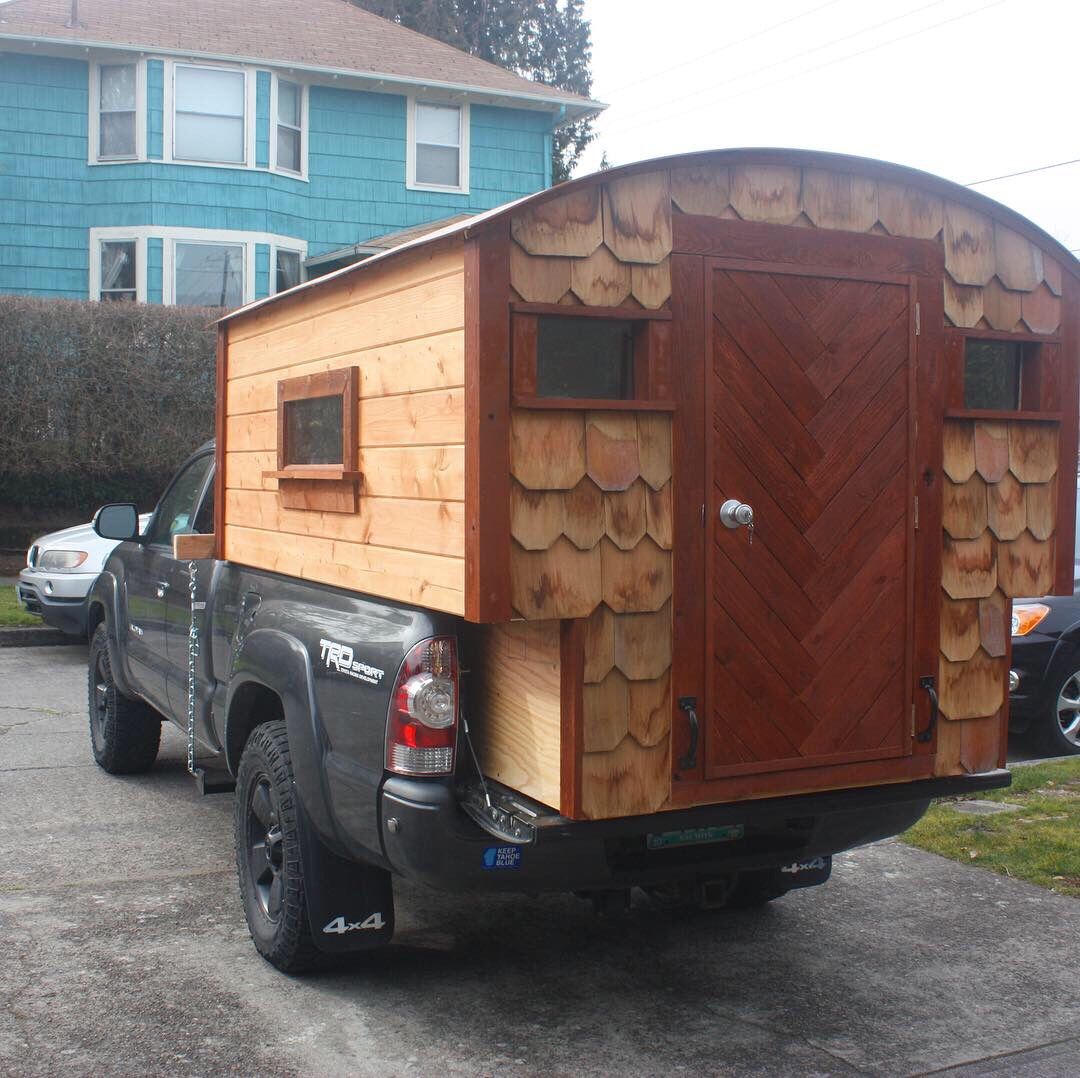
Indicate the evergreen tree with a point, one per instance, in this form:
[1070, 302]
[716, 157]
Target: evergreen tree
[545, 40]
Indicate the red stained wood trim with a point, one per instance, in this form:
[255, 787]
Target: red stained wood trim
[487, 425]
[829, 777]
[572, 690]
[219, 440]
[632, 313]
[953, 359]
[593, 404]
[928, 402]
[1067, 447]
[689, 452]
[1003, 335]
[990, 413]
[784, 248]
[524, 330]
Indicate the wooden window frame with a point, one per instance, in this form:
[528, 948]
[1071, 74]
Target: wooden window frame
[325, 487]
[1040, 375]
[652, 358]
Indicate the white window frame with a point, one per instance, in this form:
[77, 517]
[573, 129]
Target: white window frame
[94, 123]
[274, 166]
[170, 116]
[291, 248]
[170, 236]
[464, 131]
[99, 236]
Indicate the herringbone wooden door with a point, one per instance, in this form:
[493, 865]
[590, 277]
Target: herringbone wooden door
[810, 625]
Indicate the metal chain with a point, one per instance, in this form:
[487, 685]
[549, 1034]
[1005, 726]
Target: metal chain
[193, 651]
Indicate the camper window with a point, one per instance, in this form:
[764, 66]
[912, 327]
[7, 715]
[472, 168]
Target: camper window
[992, 374]
[317, 425]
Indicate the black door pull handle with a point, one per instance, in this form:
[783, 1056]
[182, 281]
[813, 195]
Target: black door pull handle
[927, 683]
[689, 705]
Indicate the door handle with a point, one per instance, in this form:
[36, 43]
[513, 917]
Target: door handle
[736, 514]
[162, 588]
[927, 683]
[689, 705]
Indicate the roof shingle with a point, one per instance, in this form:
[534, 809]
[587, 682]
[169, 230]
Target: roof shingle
[328, 35]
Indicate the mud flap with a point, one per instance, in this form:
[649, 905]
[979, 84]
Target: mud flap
[350, 905]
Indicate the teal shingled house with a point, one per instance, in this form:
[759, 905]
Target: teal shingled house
[218, 151]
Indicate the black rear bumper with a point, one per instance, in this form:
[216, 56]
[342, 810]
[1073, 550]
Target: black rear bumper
[427, 837]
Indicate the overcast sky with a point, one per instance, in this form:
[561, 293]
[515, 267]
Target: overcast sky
[967, 89]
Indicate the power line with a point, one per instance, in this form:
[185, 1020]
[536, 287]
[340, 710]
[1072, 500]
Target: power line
[778, 63]
[1024, 172]
[812, 70]
[723, 48]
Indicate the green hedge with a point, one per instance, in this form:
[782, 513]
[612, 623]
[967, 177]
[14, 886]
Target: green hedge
[102, 401]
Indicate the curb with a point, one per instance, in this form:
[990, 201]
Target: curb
[34, 637]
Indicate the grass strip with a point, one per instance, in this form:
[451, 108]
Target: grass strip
[1039, 842]
[11, 614]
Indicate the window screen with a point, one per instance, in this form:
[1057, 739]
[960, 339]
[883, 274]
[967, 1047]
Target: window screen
[314, 430]
[585, 357]
[438, 145]
[992, 374]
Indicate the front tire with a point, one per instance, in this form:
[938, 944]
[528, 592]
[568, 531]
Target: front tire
[266, 834]
[1058, 732]
[124, 733]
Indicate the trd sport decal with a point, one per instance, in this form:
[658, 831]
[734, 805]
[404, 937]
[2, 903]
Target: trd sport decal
[339, 657]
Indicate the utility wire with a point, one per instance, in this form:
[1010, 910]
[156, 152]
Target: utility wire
[723, 48]
[1024, 172]
[666, 104]
[808, 71]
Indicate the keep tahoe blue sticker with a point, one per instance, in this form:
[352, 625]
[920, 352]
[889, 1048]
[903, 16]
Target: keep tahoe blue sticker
[496, 857]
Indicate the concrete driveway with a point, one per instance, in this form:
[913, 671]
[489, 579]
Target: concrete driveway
[124, 951]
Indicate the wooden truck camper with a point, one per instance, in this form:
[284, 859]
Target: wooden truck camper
[550, 420]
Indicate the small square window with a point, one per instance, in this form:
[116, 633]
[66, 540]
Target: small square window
[118, 271]
[992, 374]
[314, 431]
[585, 358]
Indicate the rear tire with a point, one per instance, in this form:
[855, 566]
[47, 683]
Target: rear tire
[267, 839]
[124, 733]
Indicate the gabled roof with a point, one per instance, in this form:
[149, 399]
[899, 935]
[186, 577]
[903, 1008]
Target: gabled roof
[328, 36]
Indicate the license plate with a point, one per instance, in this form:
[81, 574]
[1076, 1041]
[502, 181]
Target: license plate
[694, 836]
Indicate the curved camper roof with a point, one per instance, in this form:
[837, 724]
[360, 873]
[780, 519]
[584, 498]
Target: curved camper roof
[919, 189]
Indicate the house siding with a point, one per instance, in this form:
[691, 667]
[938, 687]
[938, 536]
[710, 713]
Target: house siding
[50, 196]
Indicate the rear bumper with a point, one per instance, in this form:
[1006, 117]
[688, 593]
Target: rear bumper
[427, 837]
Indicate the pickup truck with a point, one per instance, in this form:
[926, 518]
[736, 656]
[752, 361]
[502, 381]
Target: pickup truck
[341, 721]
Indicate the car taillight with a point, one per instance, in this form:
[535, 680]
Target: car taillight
[421, 729]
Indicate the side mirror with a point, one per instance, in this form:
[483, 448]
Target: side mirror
[117, 521]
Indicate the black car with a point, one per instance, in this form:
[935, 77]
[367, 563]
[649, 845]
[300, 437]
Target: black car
[1044, 682]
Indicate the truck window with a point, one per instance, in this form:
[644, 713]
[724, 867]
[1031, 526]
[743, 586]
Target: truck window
[176, 511]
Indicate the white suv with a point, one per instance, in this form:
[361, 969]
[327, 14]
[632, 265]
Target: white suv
[60, 568]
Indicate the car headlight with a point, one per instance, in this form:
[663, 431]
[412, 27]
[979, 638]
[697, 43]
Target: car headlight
[1026, 616]
[62, 559]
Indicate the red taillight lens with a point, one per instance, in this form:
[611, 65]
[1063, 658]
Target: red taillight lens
[421, 729]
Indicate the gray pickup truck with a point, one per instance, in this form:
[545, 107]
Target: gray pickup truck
[341, 723]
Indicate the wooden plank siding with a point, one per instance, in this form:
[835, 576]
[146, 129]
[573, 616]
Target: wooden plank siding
[404, 332]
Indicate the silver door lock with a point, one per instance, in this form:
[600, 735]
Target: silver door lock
[736, 514]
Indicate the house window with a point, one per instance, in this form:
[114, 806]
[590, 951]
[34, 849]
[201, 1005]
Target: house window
[208, 123]
[439, 146]
[209, 274]
[290, 100]
[286, 269]
[117, 112]
[118, 271]
[992, 372]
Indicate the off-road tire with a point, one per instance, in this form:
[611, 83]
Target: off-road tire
[124, 733]
[270, 870]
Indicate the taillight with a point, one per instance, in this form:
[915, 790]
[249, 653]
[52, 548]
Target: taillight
[421, 729]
